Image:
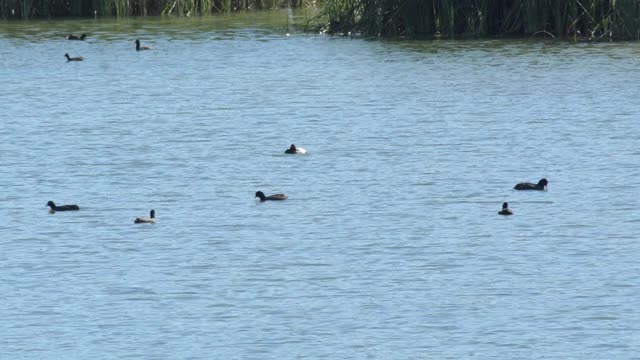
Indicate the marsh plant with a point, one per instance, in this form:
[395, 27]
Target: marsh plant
[586, 20]
[580, 20]
[26, 9]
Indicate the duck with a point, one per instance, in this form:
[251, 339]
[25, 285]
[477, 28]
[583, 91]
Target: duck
[541, 185]
[146, 220]
[505, 209]
[260, 194]
[138, 47]
[293, 149]
[73, 37]
[79, 58]
[55, 208]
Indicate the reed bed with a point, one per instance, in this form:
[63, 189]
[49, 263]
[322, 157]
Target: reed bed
[581, 20]
[27, 9]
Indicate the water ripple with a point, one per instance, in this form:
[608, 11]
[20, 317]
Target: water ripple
[389, 246]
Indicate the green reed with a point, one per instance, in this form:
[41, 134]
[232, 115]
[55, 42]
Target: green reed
[578, 19]
[574, 19]
[26, 9]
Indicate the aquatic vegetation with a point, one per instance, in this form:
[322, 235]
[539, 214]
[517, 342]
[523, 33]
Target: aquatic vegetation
[26, 9]
[580, 20]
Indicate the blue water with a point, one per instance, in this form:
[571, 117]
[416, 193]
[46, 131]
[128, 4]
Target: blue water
[389, 246]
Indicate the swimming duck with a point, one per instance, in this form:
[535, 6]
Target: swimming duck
[55, 208]
[260, 194]
[541, 185]
[138, 47]
[146, 220]
[73, 37]
[79, 58]
[505, 209]
[293, 149]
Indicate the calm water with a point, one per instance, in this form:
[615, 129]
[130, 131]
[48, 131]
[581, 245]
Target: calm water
[389, 247]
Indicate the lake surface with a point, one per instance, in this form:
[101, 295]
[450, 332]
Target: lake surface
[389, 246]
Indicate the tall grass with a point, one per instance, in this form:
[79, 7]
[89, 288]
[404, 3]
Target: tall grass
[579, 19]
[26, 9]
